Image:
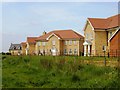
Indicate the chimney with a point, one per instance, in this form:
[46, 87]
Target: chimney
[44, 33]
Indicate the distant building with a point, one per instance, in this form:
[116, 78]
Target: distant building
[102, 34]
[15, 49]
[28, 47]
[57, 42]
[60, 42]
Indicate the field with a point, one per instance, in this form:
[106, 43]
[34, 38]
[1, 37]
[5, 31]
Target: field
[58, 72]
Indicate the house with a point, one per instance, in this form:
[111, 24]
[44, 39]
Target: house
[115, 44]
[60, 42]
[28, 47]
[24, 45]
[98, 33]
[15, 49]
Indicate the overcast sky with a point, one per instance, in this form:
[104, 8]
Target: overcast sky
[23, 19]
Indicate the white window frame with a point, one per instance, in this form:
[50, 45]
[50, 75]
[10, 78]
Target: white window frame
[86, 36]
[75, 42]
[70, 42]
[65, 51]
[91, 36]
[75, 51]
[39, 43]
[65, 42]
[70, 50]
[43, 43]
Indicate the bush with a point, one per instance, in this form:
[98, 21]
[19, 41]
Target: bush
[75, 78]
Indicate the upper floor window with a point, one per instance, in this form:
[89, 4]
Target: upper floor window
[75, 42]
[87, 36]
[39, 43]
[91, 36]
[65, 42]
[43, 43]
[70, 42]
[53, 42]
[110, 34]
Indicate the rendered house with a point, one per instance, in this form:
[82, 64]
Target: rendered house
[60, 42]
[15, 49]
[98, 34]
[28, 47]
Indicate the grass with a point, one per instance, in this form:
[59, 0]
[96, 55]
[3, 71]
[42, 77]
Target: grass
[56, 72]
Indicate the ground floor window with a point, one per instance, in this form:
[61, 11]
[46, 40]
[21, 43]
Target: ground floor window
[65, 51]
[70, 51]
[75, 51]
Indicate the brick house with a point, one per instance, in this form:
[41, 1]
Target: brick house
[28, 47]
[115, 44]
[60, 42]
[97, 32]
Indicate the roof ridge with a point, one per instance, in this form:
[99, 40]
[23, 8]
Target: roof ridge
[97, 18]
[113, 16]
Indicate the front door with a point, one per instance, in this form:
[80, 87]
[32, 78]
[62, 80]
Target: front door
[54, 51]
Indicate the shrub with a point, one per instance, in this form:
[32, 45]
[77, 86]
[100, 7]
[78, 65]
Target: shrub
[75, 78]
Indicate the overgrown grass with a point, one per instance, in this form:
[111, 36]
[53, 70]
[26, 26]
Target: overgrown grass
[56, 72]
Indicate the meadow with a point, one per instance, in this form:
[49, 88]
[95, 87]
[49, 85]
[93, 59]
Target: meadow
[58, 72]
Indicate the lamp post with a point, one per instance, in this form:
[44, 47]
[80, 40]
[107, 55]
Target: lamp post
[104, 50]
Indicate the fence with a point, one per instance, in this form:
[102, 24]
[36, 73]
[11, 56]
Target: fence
[110, 53]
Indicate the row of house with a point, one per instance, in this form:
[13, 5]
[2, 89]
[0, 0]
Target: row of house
[101, 37]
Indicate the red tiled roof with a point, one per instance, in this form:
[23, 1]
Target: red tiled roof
[63, 34]
[107, 23]
[23, 43]
[31, 39]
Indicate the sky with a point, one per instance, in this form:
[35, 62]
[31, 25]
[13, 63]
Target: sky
[28, 19]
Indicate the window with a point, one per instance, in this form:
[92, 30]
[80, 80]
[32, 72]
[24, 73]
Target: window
[104, 48]
[75, 42]
[110, 34]
[65, 42]
[75, 51]
[53, 42]
[87, 36]
[43, 43]
[91, 36]
[39, 43]
[70, 42]
[70, 52]
[65, 51]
